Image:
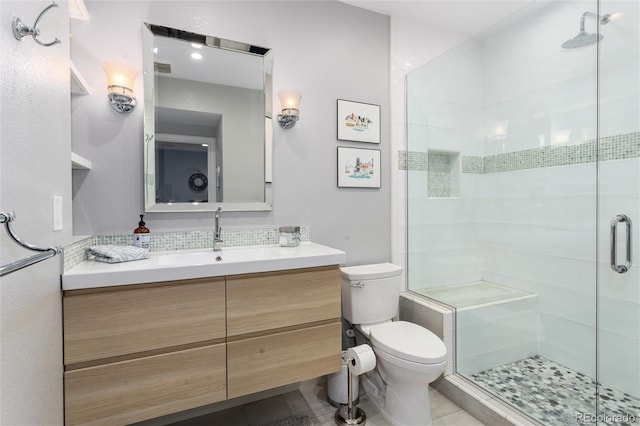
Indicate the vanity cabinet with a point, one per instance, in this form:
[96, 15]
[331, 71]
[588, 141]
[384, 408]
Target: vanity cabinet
[127, 320]
[282, 327]
[128, 391]
[143, 351]
[140, 351]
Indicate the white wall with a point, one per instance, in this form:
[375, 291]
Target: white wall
[326, 49]
[34, 166]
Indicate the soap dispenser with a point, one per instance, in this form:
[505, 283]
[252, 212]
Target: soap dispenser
[142, 235]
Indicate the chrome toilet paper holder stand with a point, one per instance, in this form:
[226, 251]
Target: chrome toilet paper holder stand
[350, 415]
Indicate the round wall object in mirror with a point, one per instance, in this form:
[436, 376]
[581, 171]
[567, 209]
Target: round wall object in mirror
[198, 182]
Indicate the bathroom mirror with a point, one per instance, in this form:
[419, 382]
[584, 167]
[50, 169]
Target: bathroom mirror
[207, 123]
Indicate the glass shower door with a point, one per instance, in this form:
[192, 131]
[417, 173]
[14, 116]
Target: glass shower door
[619, 213]
[502, 179]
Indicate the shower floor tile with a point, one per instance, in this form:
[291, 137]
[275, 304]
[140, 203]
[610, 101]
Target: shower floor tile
[556, 395]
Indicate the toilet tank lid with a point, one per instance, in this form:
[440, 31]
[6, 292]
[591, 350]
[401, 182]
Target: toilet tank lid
[371, 272]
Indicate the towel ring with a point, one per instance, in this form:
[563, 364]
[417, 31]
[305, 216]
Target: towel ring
[20, 30]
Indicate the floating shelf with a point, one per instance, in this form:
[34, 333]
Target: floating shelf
[79, 85]
[79, 163]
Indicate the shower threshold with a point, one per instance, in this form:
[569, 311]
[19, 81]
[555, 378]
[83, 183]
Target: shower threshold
[556, 395]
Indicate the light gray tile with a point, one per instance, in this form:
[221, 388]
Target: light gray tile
[470, 404]
[440, 405]
[428, 318]
[459, 418]
[405, 309]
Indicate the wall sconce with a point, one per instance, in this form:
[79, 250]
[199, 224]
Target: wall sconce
[120, 79]
[290, 104]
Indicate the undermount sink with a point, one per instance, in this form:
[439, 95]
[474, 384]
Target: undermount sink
[169, 266]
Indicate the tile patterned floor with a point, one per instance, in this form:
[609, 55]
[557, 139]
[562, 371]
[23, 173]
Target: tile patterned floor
[309, 407]
[443, 411]
[556, 395]
[290, 409]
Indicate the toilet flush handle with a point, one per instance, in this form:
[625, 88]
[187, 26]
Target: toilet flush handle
[359, 285]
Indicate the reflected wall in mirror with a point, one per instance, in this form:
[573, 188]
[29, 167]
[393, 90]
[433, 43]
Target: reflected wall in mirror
[207, 122]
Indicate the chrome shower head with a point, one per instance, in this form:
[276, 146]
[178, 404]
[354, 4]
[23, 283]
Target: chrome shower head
[581, 40]
[584, 38]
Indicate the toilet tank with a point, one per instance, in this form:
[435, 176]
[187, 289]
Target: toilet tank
[370, 293]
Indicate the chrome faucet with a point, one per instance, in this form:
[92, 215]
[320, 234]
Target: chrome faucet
[217, 242]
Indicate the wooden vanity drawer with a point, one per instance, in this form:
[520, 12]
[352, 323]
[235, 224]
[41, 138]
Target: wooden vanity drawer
[267, 301]
[265, 362]
[116, 321]
[144, 388]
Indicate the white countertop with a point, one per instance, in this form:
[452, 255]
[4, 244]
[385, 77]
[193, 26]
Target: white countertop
[182, 265]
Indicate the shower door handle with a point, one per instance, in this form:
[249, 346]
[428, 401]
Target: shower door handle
[621, 269]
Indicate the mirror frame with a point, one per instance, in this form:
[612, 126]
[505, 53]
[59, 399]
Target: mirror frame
[149, 181]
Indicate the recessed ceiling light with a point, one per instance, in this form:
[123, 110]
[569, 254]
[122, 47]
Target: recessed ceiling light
[196, 45]
[155, 50]
[196, 55]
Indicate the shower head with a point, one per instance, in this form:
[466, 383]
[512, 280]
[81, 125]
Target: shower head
[584, 38]
[581, 40]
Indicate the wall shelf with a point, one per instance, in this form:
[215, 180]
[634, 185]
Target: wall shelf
[78, 10]
[79, 163]
[79, 85]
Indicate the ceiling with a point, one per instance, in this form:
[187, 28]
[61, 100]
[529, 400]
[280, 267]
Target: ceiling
[465, 17]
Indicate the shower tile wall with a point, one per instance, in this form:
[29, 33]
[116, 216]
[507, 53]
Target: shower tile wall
[526, 214]
[444, 118]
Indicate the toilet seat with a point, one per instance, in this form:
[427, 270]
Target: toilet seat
[409, 342]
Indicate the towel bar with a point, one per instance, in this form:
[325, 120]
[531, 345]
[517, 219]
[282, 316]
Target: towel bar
[45, 253]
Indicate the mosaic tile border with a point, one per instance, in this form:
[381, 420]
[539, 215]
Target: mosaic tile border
[472, 164]
[413, 160]
[169, 241]
[618, 147]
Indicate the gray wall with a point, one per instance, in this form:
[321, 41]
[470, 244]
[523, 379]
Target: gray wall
[35, 164]
[326, 49]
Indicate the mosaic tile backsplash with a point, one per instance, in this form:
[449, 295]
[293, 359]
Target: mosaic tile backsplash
[618, 147]
[169, 241]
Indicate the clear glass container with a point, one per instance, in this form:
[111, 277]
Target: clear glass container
[289, 236]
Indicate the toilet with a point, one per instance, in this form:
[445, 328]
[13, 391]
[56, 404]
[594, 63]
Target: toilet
[408, 356]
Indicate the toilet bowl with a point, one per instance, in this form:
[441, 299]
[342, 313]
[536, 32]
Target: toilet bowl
[408, 356]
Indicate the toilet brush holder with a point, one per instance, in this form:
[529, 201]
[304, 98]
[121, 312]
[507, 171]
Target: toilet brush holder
[350, 415]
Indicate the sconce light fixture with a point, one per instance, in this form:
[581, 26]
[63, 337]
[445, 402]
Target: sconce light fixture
[290, 104]
[120, 79]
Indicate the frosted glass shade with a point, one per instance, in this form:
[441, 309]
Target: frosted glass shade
[119, 74]
[120, 79]
[289, 99]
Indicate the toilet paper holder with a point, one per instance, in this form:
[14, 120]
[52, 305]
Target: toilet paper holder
[350, 415]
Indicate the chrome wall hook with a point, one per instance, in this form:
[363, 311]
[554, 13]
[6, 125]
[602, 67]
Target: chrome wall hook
[20, 30]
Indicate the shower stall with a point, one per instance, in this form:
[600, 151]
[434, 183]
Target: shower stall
[523, 207]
